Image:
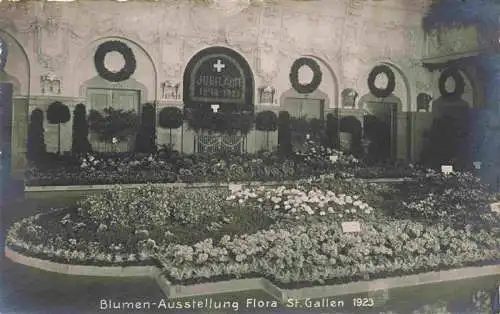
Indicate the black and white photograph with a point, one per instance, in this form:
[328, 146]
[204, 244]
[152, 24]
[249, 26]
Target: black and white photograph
[250, 156]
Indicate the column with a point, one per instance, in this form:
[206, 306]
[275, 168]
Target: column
[5, 137]
[488, 130]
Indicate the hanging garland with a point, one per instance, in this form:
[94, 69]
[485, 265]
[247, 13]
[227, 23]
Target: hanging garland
[294, 76]
[391, 84]
[120, 47]
[459, 84]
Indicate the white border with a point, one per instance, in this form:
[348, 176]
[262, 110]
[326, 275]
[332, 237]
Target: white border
[181, 291]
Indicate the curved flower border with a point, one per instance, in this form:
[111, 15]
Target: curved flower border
[127, 53]
[294, 75]
[391, 84]
[76, 257]
[459, 84]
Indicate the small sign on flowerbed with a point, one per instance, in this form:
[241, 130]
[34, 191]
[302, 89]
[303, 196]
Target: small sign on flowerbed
[446, 169]
[351, 227]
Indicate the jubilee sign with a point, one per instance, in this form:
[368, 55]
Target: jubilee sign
[218, 75]
[217, 78]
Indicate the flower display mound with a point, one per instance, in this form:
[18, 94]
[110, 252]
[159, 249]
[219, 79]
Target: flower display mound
[117, 225]
[291, 235]
[320, 253]
[170, 167]
[111, 226]
[459, 198]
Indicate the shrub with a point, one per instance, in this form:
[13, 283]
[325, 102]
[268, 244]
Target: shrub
[146, 137]
[266, 121]
[36, 140]
[80, 143]
[170, 118]
[58, 113]
[113, 123]
[332, 131]
[284, 133]
[352, 125]
[458, 198]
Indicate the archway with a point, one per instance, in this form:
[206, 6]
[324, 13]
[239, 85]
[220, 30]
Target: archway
[314, 104]
[309, 109]
[455, 134]
[330, 84]
[219, 75]
[17, 73]
[17, 70]
[218, 95]
[129, 94]
[381, 129]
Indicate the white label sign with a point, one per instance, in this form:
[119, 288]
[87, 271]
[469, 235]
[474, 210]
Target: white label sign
[495, 207]
[235, 187]
[351, 226]
[446, 169]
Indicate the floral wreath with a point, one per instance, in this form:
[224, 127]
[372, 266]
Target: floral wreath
[459, 84]
[294, 76]
[118, 46]
[391, 84]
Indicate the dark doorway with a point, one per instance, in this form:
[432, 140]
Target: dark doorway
[380, 131]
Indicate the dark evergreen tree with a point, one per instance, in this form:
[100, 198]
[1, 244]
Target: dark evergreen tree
[284, 133]
[36, 140]
[170, 118]
[146, 137]
[80, 143]
[332, 131]
[266, 121]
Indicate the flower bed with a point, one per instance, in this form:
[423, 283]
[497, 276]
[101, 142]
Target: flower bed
[290, 235]
[321, 253]
[459, 199]
[169, 167]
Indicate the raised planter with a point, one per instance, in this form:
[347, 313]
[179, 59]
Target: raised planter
[82, 270]
[373, 288]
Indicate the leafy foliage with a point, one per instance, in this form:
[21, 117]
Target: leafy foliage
[146, 137]
[58, 113]
[461, 13]
[226, 120]
[80, 143]
[284, 133]
[266, 121]
[170, 118]
[458, 198]
[36, 140]
[113, 123]
[331, 131]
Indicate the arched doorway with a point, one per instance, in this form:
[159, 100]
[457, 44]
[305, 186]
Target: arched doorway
[455, 135]
[13, 111]
[127, 94]
[382, 132]
[218, 95]
[308, 109]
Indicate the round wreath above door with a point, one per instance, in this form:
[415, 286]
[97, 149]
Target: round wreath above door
[124, 73]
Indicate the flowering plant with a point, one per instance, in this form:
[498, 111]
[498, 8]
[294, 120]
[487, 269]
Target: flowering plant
[320, 252]
[283, 203]
[459, 198]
